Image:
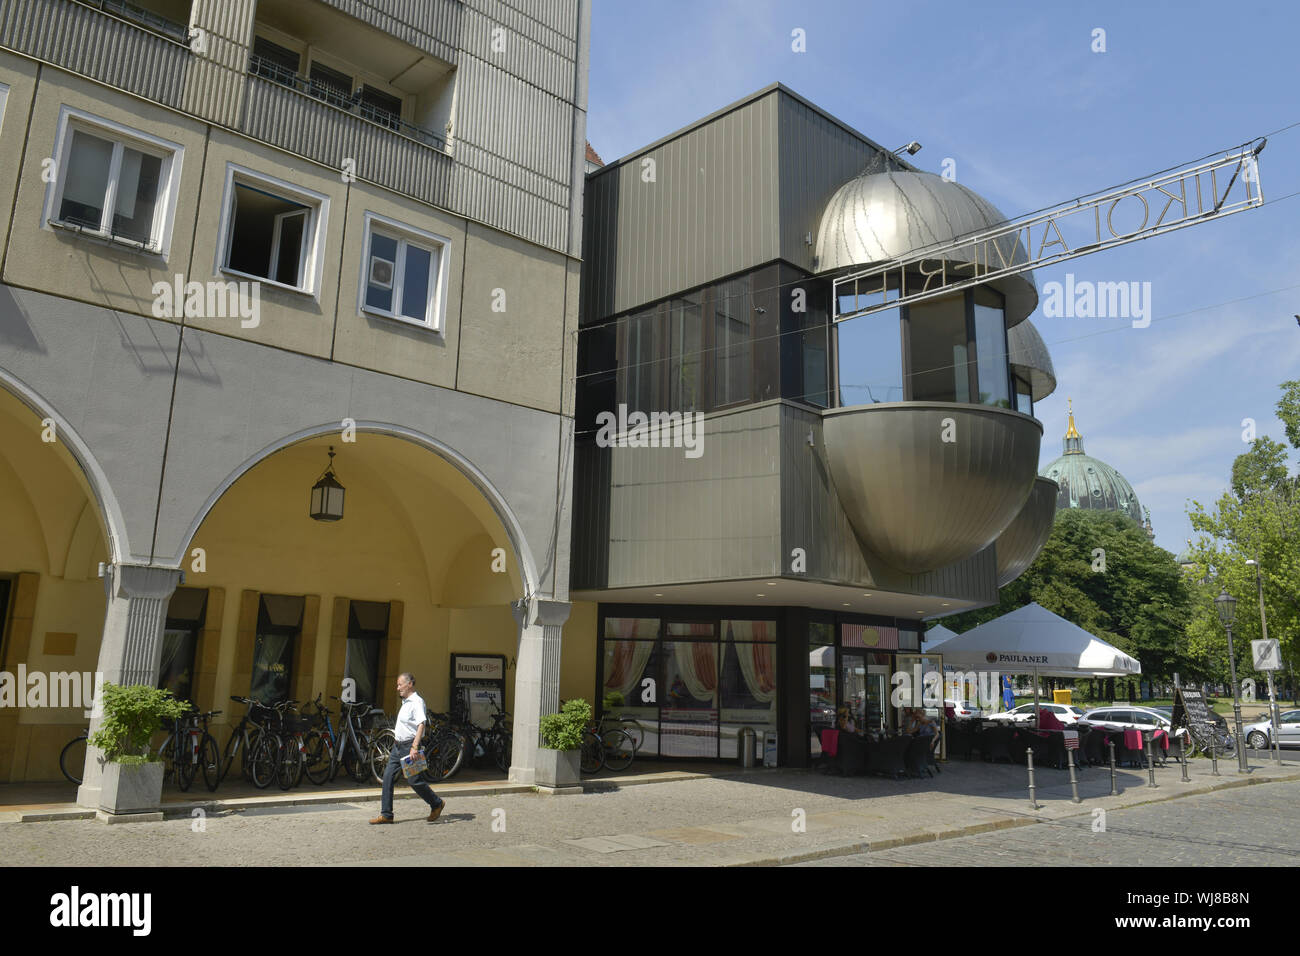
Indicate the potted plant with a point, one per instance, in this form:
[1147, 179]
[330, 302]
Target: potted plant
[559, 760]
[132, 781]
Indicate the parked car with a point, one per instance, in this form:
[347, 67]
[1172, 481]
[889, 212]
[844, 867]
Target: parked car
[963, 709]
[1259, 735]
[820, 712]
[1131, 717]
[1065, 713]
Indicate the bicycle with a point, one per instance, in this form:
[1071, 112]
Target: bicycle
[496, 740]
[243, 739]
[444, 748]
[72, 758]
[280, 754]
[613, 749]
[630, 725]
[188, 747]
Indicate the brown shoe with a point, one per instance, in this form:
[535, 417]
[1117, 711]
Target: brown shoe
[382, 819]
[436, 811]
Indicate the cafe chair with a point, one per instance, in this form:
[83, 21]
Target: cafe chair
[995, 742]
[916, 756]
[890, 757]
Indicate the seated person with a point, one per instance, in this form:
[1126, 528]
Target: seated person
[918, 723]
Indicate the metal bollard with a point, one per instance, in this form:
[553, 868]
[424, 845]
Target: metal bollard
[1151, 758]
[1182, 758]
[1074, 780]
[1214, 760]
[1110, 745]
[1029, 758]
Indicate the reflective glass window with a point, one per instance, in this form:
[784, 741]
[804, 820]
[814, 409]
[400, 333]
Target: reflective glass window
[991, 350]
[937, 345]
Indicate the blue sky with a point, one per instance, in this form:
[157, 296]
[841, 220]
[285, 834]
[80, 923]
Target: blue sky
[1013, 92]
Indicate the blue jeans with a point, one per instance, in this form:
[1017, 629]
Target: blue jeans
[394, 772]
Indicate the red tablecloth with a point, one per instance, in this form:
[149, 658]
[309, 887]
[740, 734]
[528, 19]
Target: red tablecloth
[830, 741]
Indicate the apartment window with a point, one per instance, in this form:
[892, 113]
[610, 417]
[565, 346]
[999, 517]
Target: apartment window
[274, 62]
[114, 182]
[4, 96]
[405, 275]
[271, 230]
[331, 86]
[378, 107]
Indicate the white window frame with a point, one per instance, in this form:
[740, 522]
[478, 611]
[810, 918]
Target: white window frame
[311, 267]
[436, 307]
[169, 178]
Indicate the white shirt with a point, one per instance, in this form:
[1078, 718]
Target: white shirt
[409, 717]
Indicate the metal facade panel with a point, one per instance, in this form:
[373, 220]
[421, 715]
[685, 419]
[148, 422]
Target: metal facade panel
[818, 156]
[537, 17]
[98, 46]
[654, 516]
[520, 54]
[655, 238]
[430, 25]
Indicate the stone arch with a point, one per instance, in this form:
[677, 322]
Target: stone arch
[504, 513]
[110, 511]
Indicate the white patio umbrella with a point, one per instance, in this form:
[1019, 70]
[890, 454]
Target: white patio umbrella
[1032, 639]
[937, 635]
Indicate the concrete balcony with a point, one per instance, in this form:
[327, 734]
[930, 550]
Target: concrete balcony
[288, 117]
[112, 42]
[926, 484]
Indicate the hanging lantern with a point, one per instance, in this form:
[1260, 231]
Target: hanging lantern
[327, 495]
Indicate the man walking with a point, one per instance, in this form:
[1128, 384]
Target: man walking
[411, 723]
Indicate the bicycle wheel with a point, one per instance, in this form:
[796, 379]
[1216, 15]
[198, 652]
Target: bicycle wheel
[186, 764]
[618, 748]
[265, 760]
[167, 755]
[288, 770]
[72, 759]
[381, 751]
[593, 754]
[228, 755]
[317, 762]
[210, 762]
[502, 749]
[632, 728]
[445, 754]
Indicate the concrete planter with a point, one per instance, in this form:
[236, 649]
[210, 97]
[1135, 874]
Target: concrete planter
[131, 788]
[559, 769]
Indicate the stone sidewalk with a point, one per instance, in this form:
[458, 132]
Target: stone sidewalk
[758, 817]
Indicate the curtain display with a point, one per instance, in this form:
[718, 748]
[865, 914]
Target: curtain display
[697, 666]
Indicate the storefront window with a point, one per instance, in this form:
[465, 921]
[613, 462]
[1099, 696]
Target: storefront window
[367, 628]
[630, 661]
[747, 690]
[279, 622]
[688, 714]
[185, 613]
[821, 683]
[991, 349]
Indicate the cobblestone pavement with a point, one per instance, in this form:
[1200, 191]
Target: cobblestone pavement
[1252, 826]
[762, 816]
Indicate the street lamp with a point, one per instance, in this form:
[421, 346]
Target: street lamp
[1227, 608]
[1274, 744]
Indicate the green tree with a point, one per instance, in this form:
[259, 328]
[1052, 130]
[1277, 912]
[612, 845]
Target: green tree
[1258, 519]
[1100, 571]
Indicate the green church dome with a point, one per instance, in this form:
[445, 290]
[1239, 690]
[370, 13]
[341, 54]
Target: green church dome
[1088, 482]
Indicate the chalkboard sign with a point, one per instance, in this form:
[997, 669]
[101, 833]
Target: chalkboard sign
[1190, 708]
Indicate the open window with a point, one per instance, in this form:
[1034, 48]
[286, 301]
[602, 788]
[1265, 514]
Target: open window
[404, 273]
[272, 231]
[113, 183]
